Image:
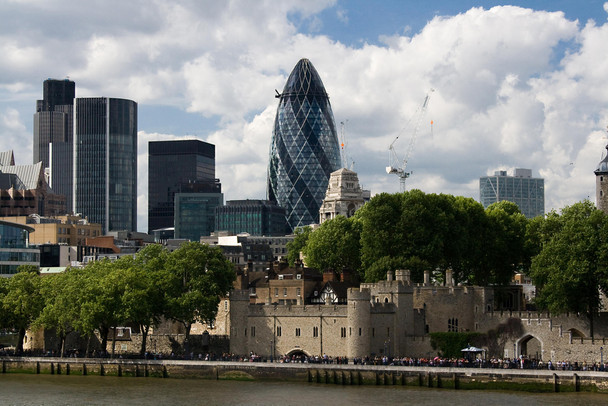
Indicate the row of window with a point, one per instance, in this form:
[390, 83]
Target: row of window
[276, 292]
[315, 331]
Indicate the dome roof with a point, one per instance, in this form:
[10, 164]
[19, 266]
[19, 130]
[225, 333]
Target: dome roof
[602, 167]
[304, 80]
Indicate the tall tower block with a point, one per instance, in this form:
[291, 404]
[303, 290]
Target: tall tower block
[601, 184]
[304, 150]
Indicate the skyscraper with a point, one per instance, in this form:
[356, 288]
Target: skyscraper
[522, 189]
[183, 166]
[53, 134]
[105, 162]
[304, 150]
[256, 217]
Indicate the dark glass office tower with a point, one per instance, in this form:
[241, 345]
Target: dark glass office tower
[53, 134]
[105, 162]
[183, 166]
[256, 217]
[304, 150]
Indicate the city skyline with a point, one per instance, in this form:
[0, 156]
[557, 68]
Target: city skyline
[514, 86]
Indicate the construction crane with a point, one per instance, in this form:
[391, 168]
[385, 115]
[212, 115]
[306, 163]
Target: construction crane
[343, 144]
[396, 165]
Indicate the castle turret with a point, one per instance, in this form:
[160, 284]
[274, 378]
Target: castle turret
[239, 303]
[601, 184]
[359, 320]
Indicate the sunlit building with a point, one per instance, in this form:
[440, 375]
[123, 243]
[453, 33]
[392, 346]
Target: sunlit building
[522, 189]
[15, 248]
[304, 150]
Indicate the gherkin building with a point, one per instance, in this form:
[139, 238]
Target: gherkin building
[304, 150]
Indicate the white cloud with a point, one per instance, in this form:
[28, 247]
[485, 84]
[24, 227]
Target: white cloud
[514, 87]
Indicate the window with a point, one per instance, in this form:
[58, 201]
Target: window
[388, 331]
[245, 331]
[315, 331]
[225, 305]
[252, 331]
[276, 291]
[359, 331]
[297, 332]
[299, 276]
[278, 331]
[373, 332]
[343, 332]
[298, 291]
[453, 325]
[284, 291]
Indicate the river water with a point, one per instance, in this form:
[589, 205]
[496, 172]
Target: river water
[23, 389]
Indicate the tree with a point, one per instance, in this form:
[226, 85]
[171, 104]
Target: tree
[60, 310]
[147, 282]
[295, 246]
[200, 276]
[335, 245]
[572, 267]
[22, 301]
[504, 244]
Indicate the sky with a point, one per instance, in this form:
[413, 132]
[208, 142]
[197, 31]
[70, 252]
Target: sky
[515, 85]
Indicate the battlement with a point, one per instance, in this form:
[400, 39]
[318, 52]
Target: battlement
[297, 310]
[362, 294]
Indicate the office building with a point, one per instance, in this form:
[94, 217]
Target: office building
[66, 229]
[521, 188]
[184, 166]
[195, 214]
[255, 217]
[53, 135]
[15, 248]
[304, 150]
[105, 162]
[343, 197]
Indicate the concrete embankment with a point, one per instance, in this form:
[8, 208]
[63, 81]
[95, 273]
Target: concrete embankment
[431, 377]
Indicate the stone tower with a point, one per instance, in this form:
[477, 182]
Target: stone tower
[601, 184]
[343, 197]
[359, 321]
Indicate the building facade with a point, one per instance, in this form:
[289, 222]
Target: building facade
[521, 188]
[195, 214]
[255, 217]
[15, 248]
[183, 166]
[105, 162]
[53, 135]
[24, 190]
[343, 197]
[67, 229]
[304, 150]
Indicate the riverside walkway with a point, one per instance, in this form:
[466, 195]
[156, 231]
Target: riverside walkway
[345, 374]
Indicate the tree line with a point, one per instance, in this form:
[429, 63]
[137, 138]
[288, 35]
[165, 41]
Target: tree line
[565, 253]
[184, 286]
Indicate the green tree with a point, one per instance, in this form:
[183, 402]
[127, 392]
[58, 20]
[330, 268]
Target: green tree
[200, 276]
[60, 310]
[504, 244]
[22, 301]
[572, 267]
[295, 246]
[335, 245]
[147, 281]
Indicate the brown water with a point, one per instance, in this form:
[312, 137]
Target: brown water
[23, 389]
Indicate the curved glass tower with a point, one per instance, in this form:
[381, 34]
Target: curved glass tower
[304, 150]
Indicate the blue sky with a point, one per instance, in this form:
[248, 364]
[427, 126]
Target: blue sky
[518, 84]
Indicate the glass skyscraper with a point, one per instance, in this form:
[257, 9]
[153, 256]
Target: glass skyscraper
[522, 189]
[180, 166]
[53, 134]
[105, 162]
[304, 150]
[256, 217]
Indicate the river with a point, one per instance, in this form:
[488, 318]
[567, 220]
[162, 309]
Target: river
[24, 389]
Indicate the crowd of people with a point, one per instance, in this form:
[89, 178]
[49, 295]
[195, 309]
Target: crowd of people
[463, 362]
